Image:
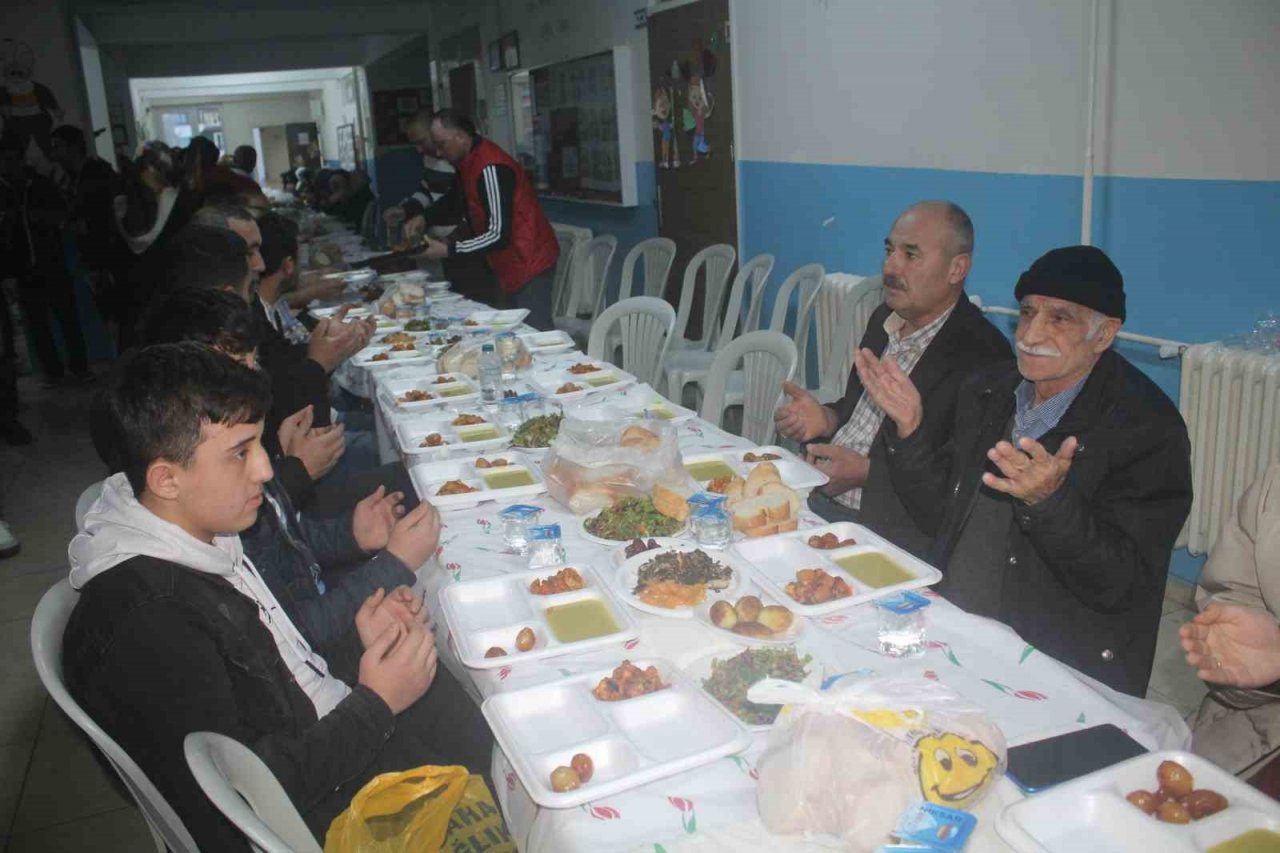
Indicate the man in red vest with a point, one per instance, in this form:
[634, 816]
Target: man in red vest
[510, 230]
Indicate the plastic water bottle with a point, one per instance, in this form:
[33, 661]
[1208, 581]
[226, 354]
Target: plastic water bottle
[490, 370]
[902, 625]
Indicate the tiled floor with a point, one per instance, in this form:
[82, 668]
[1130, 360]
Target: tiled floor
[54, 795]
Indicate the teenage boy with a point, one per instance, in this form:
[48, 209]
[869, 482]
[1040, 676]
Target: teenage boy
[176, 632]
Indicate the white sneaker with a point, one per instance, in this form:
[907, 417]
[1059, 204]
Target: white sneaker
[9, 543]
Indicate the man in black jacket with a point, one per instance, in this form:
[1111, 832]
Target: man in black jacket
[1056, 498]
[176, 632]
[930, 329]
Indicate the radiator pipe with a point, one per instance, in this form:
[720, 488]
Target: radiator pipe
[1168, 348]
[1086, 213]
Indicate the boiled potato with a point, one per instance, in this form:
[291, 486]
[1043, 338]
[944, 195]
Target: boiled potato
[723, 615]
[748, 608]
[775, 617]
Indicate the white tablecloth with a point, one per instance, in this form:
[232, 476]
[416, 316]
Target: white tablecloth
[714, 807]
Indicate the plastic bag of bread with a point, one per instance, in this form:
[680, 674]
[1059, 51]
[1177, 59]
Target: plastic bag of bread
[464, 356]
[599, 459]
[846, 762]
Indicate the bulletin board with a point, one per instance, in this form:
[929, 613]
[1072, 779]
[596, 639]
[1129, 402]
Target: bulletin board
[392, 110]
[583, 132]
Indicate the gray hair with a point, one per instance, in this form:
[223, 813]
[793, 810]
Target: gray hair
[961, 225]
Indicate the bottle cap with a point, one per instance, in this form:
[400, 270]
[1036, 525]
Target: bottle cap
[521, 511]
[907, 602]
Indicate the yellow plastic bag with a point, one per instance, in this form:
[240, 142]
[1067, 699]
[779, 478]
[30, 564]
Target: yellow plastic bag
[476, 825]
[403, 812]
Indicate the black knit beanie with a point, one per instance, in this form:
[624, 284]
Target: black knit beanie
[1080, 274]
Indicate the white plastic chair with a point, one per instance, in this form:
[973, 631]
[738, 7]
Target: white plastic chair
[586, 290]
[48, 624]
[805, 284]
[767, 359]
[845, 304]
[643, 326]
[716, 262]
[658, 253]
[687, 367]
[569, 237]
[86, 499]
[247, 793]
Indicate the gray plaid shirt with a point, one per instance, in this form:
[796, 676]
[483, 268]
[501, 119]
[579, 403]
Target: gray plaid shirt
[861, 428]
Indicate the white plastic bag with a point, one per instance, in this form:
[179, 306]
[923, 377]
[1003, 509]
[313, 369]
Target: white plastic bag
[593, 464]
[848, 761]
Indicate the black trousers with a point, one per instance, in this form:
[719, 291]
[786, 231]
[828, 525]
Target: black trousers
[48, 290]
[830, 510]
[444, 727]
[536, 296]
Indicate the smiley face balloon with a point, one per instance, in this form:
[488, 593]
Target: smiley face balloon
[954, 771]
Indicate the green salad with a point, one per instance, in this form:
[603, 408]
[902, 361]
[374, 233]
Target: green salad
[630, 518]
[731, 678]
[537, 432]
[418, 326]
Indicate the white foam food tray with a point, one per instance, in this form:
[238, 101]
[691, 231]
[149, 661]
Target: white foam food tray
[459, 391]
[415, 276]
[547, 343]
[419, 338]
[795, 472]
[395, 358]
[428, 477]
[639, 402]
[776, 559]
[1091, 815]
[489, 612]
[329, 310]
[383, 325]
[700, 668]
[702, 613]
[442, 298]
[631, 742]
[607, 378]
[625, 579]
[411, 431]
[497, 321]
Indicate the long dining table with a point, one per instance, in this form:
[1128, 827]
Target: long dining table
[713, 807]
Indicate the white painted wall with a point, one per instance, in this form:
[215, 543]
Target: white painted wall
[44, 25]
[335, 112]
[1188, 89]
[241, 116]
[95, 90]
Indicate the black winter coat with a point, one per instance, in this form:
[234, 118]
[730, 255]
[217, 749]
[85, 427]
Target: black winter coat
[155, 651]
[965, 343]
[1084, 571]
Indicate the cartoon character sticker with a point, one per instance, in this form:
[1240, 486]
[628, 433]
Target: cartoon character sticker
[664, 120]
[701, 103]
[28, 110]
[954, 771]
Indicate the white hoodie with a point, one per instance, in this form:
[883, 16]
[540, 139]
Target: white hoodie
[117, 528]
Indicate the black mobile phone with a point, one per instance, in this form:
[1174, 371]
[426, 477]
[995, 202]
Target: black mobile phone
[1041, 764]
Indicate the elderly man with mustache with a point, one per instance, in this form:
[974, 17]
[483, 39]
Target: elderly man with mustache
[1057, 497]
[929, 329]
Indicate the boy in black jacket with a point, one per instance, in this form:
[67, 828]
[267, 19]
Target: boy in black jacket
[176, 631]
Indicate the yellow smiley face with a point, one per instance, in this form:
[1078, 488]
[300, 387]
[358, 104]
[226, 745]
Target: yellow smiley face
[953, 771]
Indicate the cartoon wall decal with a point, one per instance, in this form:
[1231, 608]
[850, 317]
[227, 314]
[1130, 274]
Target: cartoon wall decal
[701, 103]
[28, 110]
[663, 110]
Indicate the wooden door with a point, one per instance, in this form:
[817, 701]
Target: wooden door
[690, 75]
[303, 141]
[462, 90]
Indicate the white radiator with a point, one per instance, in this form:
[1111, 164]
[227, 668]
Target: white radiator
[1229, 400]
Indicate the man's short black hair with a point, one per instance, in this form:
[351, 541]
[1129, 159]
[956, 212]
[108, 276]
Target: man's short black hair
[245, 158]
[279, 241]
[451, 119]
[215, 318]
[158, 400]
[206, 257]
[221, 214]
[70, 135]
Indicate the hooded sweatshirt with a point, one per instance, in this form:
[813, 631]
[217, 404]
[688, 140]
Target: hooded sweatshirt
[118, 528]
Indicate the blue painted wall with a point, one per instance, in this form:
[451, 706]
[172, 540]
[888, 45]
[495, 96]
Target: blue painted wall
[1199, 257]
[629, 224]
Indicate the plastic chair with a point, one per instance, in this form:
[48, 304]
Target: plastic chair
[569, 237]
[767, 359]
[845, 304]
[716, 262]
[590, 272]
[643, 326]
[85, 501]
[690, 366]
[48, 624]
[247, 793]
[659, 253]
[369, 221]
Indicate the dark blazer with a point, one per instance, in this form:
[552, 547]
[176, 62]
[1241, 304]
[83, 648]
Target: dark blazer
[965, 343]
[1084, 570]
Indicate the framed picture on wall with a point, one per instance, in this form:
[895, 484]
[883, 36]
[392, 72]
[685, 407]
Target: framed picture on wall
[511, 50]
[495, 55]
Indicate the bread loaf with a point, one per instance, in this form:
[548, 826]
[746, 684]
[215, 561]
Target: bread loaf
[669, 503]
[639, 437]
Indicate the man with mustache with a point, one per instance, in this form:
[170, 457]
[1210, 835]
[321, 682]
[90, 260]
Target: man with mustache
[931, 331]
[1057, 496]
